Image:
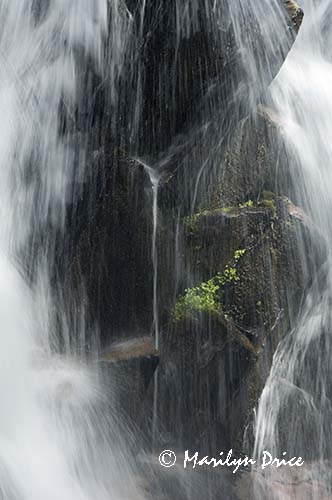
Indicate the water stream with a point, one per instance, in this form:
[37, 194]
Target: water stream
[154, 177]
[295, 408]
[60, 437]
[56, 441]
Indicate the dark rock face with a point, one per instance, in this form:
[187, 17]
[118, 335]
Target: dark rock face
[188, 59]
[218, 352]
[111, 247]
[271, 233]
[256, 157]
[178, 101]
[286, 483]
[157, 100]
[129, 366]
[295, 12]
[178, 484]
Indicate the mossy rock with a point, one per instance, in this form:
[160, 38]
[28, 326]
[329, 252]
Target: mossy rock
[271, 275]
[212, 237]
[221, 350]
[199, 382]
[295, 12]
[255, 160]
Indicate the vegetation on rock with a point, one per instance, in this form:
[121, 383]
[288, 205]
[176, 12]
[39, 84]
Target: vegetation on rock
[206, 297]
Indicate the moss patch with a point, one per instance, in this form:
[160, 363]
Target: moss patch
[207, 296]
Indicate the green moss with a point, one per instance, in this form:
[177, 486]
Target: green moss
[239, 253]
[119, 152]
[201, 298]
[230, 274]
[206, 297]
[267, 203]
[267, 199]
[247, 204]
[267, 195]
[191, 222]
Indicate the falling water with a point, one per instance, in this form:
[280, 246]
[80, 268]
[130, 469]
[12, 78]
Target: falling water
[55, 440]
[154, 176]
[295, 408]
[59, 438]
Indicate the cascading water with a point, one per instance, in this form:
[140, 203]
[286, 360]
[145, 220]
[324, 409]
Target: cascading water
[154, 177]
[55, 439]
[178, 107]
[294, 414]
[155, 185]
[257, 38]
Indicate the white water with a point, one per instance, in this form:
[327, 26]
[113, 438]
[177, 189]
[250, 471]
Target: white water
[295, 408]
[154, 176]
[55, 439]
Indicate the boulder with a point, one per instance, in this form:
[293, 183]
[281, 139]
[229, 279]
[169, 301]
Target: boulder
[198, 48]
[128, 367]
[312, 480]
[209, 365]
[107, 249]
[295, 12]
[247, 276]
[255, 159]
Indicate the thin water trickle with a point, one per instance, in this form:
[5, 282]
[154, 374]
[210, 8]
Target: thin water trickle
[155, 177]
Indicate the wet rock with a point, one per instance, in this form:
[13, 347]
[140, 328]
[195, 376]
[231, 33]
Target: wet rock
[205, 364]
[305, 483]
[108, 231]
[196, 48]
[255, 160]
[130, 350]
[270, 234]
[273, 273]
[128, 367]
[295, 12]
[108, 246]
[207, 358]
[177, 483]
[249, 269]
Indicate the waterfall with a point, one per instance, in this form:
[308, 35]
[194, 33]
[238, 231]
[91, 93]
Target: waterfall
[102, 83]
[154, 177]
[56, 440]
[294, 413]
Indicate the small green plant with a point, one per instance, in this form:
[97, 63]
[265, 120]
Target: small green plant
[190, 222]
[239, 253]
[201, 298]
[206, 297]
[230, 274]
[267, 203]
[267, 195]
[247, 204]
